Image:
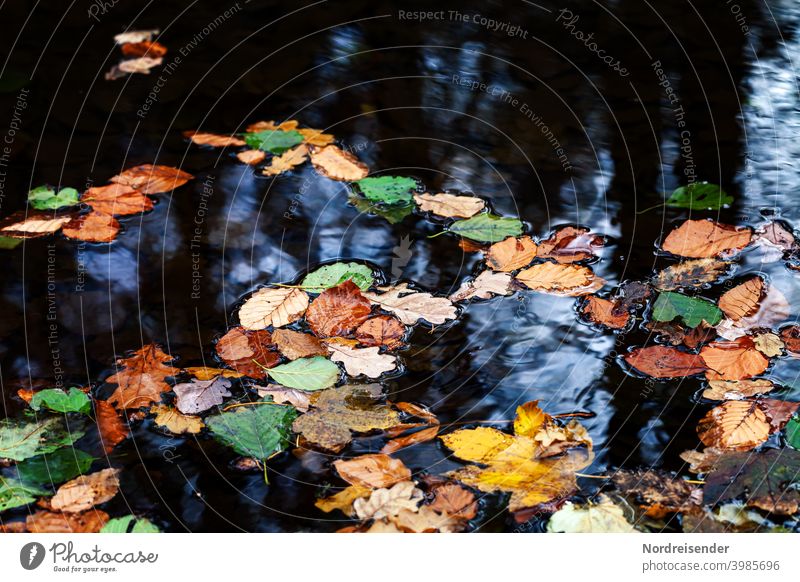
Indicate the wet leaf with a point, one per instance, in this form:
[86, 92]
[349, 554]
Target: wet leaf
[141, 381]
[213, 139]
[570, 244]
[150, 179]
[793, 433]
[421, 436]
[742, 300]
[251, 157]
[388, 502]
[705, 239]
[113, 430]
[665, 362]
[772, 309]
[344, 499]
[337, 273]
[658, 492]
[129, 524]
[734, 360]
[776, 240]
[307, 374]
[454, 500]
[603, 516]
[338, 412]
[24, 224]
[200, 395]
[206, 373]
[337, 164]
[315, 137]
[135, 36]
[86, 491]
[46, 198]
[54, 468]
[693, 273]
[699, 196]
[423, 520]
[374, 471]
[295, 345]
[338, 311]
[449, 205]
[560, 279]
[140, 65]
[53, 522]
[285, 162]
[768, 344]
[381, 330]
[93, 227]
[151, 48]
[736, 389]
[16, 494]
[511, 254]
[387, 189]
[275, 307]
[257, 431]
[248, 352]
[486, 285]
[692, 310]
[74, 400]
[734, 425]
[117, 200]
[791, 338]
[20, 440]
[602, 312]
[357, 361]
[393, 213]
[412, 306]
[273, 141]
[288, 125]
[175, 422]
[280, 395]
[487, 228]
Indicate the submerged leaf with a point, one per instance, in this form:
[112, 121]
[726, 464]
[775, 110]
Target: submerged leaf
[20, 440]
[692, 273]
[130, 524]
[743, 300]
[603, 312]
[257, 431]
[570, 244]
[387, 189]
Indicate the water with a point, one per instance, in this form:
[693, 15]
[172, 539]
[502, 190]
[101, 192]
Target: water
[399, 93]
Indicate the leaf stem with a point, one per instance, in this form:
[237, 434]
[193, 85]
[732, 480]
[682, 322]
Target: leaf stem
[651, 208]
[438, 234]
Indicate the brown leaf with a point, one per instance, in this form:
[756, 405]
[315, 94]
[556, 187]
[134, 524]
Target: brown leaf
[734, 360]
[702, 462]
[449, 205]
[248, 352]
[558, 279]
[426, 520]
[213, 139]
[665, 362]
[338, 310]
[24, 224]
[251, 157]
[150, 179]
[418, 411]
[286, 161]
[692, 273]
[570, 244]
[454, 500]
[117, 200]
[742, 300]
[288, 125]
[86, 491]
[273, 306]
[677, 334]
[791, 338]
[511, 254]
[768, 344]
[777, 236]
[772, 310]
[280, 395]
[778, 412]
[701, 239]
[337, 164]
[150, 48]
[113, 430]
[295, 345]
[410, 306]
[141, 381]
[658, 492]
[415, 438]
[50, 522]
[629, 295]
[381, 330]
[601, 311]
[93, 227]
[736, 389]
[734, 425]
[376, 471]
[388, 502]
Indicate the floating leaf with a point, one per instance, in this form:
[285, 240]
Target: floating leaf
[487, 284]
[285, 162]
[449, 205]
[273, 141]
[207, 373]
[135, 36]
[175, 422]
[388, 502]
[55, 467]
[658, 492]
[86, 491]
[56, 522]
[336, 413]
[387, 189]
[280, 395]
[768, 344]
[24, 224]
[20, 440]
[734, 425]
[743, 300]
[511, 254]
[275, 307]
[295, 345]
[699, 196]
[248, 352]
[704, 239]
[570, 244]
[93, 227]
[602, 312]
[16, 494]
[251, 157]
[603, 516]
[665, 362]
[357, 361]
[117, 200]
[381, 330]
[307, 374]
[344, 499]
[454, 500]
[144, 48]
[374, 471]
[693, 273]
[692, 310]
[734, 360]
[213, 139]
[772, 310]
[337, 164]
[129, 524]
[393, 213]
[142, 378]
[46, 198]
[257, 431]
[111, 427]
[487, 228]
[412, 306]
[736, 389]
[75, 400]
[331, 275]
[421, 436]
[288, 125]
[338, 310]
[150, 179]
[558, 279]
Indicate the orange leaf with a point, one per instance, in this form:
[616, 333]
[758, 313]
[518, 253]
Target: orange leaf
[558, 279]
[117, 200]
[141, 381]
[295, 345]
[213, 139]
[376, 471]
[570, 244]
[150, 179]
[511, 254]
[421, 436]
[742, 300]
[338, 310]
[337, 164]
[252, 157]
[150, 48]
[734, 425]
[601, 311]
[665, 362]
[90, 521]
[248, 352]
[454, 500]
[734, 360]
[381, 330]
[704, 239]
[111, 427]
[93, 227]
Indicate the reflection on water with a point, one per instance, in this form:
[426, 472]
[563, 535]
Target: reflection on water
[390, 91]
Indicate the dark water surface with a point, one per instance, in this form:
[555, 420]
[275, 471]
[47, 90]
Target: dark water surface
[399, 92]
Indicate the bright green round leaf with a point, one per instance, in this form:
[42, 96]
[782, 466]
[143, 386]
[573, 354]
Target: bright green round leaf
[306, 373]
[331, 275]
[273, 141]
[59, 401]
[692, 310]
[388, 189]
[487, 228]
[257, 431]
[46, 198]
[699, 196]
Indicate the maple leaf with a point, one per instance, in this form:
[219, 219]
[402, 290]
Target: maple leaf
[141, 381]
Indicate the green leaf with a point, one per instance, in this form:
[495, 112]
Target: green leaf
[388, 189]
[699, 196]
[487, 228]
[59, 401]
[45, 198]
[394, 213]
[54, 468]
[7, 243]
[273, 141]
[692, 310]
[123, 525]
[20, 440]
[306, 373]
[331, 275]
[793, 432]
[14, 494]
[257, 431]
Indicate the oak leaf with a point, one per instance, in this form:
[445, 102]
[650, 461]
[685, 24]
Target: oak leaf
[338, 310]
[141, 381]
[388, 502]
[603, 516]
[315, 137]
[665, 362]
[791, 338]
[86, 491]
[768, 344]
[705, 239]
[337, 164]
[454, 500]
[511, 254]
[560, 279]
[150, 179]
[295, 345]
[426, 519]
[117, 200]
[273, 306]
[375, 471]
[449, 205]
[410, 306]
[93, 227]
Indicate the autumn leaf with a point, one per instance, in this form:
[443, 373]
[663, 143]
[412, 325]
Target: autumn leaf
[449, 205]
[14, 493]
[734, 425]
[705, 239]
[658, 492]
[207, 373]
[328, 276]
[602, 516]
[511, 254]
[151, 48]
[734, 360]
[200, 395]
[570, 244]
[454, 500]
[140, 65]
[113, 430]
[357, 361]
[665, 362]
[410, 306]
[336, 413]
[213, 139]
[736, 389]
[86, 491]
[315, 137]
[742, 300]
[338, 310]
[375, 471]
[133, 36]
[295, 345]
[53, 522]
[175, 422]
[790, 336]
[300, 399]
[344, 499]
[693, 273]
[273, 306]
[486, 285]
[381, 330]
[258, 126]
[602, 312]
[776, 239]
[421, 436]
[141, 381]
[772, 310]
[117, 200]
[25, 224]
[248, 352]
[337, 164]
[93, 227]
[251, 157]
[286, 161]
[423, 520]
[388, 502]
[150, 179]
[558, 279]
[768, 344]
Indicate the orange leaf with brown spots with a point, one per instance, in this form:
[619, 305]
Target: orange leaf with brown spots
[701, 239]
[665, 362]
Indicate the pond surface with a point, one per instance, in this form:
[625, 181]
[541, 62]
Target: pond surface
[449, 101]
